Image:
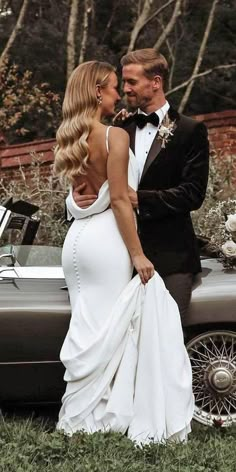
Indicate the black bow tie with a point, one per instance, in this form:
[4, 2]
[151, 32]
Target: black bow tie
[141, 120]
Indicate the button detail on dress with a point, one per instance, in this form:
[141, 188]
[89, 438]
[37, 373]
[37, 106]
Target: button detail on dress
[131, 328]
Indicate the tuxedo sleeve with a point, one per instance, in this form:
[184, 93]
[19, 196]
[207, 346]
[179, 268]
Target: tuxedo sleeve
[190, 193]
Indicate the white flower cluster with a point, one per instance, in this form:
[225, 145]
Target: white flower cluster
[220, 230]
[229, 247]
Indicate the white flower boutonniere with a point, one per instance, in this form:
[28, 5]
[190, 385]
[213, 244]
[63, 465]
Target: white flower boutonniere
[166, 130]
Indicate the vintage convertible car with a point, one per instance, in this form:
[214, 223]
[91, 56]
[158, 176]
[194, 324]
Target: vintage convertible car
[35, 314]
[211, 344]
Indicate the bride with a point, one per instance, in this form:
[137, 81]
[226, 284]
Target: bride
[127, 369]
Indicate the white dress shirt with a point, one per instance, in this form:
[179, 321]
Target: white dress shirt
[145, 136]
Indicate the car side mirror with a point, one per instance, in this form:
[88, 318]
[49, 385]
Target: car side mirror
[9, 258]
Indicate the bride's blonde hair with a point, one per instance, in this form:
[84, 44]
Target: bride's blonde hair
[79, 108]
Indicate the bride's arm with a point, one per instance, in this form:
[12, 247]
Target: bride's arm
[117, 172]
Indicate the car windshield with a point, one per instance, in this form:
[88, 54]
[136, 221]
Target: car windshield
[31, 256]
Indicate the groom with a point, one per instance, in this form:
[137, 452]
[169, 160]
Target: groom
[173, 156]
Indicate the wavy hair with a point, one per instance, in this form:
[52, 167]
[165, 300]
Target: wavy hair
[79, 108]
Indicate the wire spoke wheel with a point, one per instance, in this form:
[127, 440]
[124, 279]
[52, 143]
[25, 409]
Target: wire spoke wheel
[213, 360]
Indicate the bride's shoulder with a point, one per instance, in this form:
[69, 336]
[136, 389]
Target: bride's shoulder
[118, 135]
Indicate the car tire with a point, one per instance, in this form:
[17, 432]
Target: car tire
[213, 358]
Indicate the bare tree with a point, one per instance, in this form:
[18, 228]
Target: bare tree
[87, 11]
[169, 27]
[172, 53]
[4, 7]
[197, 76]
[199, 57]
[71, 35]
[141, 21]
[109, 23]
[144, 17]
[18, 26]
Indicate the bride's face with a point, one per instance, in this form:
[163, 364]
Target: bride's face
[110, 96]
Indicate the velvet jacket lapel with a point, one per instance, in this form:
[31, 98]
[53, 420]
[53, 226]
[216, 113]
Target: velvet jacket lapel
[155, 148]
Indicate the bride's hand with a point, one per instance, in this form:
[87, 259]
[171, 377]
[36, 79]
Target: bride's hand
[83, 201]
[144, 267]
[121, 116]
[133, 196]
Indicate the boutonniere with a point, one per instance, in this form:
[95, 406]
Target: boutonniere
[166, 130]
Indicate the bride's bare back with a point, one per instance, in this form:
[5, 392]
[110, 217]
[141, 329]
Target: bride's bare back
[96, 173]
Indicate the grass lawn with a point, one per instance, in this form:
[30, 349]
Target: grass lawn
[32, 445]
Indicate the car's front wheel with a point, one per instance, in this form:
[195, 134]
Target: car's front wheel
[213, 359]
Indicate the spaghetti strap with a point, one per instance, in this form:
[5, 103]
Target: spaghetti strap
[107, 135]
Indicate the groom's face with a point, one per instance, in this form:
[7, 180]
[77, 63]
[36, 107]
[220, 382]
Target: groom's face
[139, 89]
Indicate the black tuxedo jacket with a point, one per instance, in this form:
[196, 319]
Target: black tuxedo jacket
[173, 184]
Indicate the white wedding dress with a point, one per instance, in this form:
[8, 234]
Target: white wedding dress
[127, 368]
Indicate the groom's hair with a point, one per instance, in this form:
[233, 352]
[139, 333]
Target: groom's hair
[152, 61]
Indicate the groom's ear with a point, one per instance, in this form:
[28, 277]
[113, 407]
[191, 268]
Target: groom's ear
[157, 82]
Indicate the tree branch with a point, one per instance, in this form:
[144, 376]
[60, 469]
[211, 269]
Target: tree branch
[108, 25]
[201, 74]
[227, 99]
[158, 11]
[87, 11]
[143, 19]
[200, 55]
[169, 26]
[172, 56]
[71, 33]
[139, 23]
[14, 32]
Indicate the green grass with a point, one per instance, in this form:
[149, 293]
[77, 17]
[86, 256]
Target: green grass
[31, 445]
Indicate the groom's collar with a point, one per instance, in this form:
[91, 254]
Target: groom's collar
[130, 126]
[160, 112]
[172, 113]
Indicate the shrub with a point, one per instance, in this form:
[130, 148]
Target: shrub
[27, 110]
[47, 193]
[209, 221]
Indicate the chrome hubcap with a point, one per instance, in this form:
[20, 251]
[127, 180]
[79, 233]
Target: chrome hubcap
[221, 380]
[213, 360]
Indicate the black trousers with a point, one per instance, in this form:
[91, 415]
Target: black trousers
[180, 288]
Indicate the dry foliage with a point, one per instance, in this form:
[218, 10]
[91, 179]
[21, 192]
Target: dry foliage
[209, 221]
[26, 110]
[47, 193]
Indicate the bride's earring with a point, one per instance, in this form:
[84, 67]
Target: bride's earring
[99, 100]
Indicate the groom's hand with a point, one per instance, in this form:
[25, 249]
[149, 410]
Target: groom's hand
[83, 201]
[133, 196]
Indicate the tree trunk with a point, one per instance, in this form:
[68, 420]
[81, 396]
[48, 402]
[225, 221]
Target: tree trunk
[109, 23]
[144, 18]
[15, 31]
[71, 35]
[169, 26]
[87, 11]
[199, 57]
[139, 23]
[172, 54]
